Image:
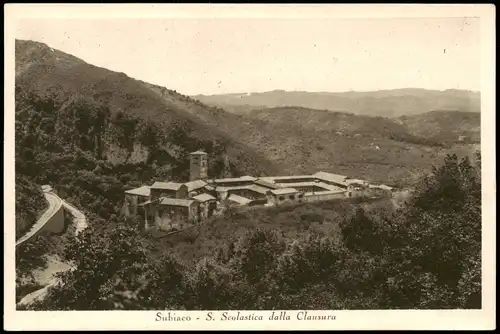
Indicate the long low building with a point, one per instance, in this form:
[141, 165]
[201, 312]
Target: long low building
[165, 202]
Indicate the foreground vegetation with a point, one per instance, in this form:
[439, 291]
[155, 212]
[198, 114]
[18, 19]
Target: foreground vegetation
[426, 255]
[29, 204]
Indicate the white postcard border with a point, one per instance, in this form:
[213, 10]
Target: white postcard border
[366, 319]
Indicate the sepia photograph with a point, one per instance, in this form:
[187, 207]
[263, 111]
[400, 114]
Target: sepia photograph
[272, 168]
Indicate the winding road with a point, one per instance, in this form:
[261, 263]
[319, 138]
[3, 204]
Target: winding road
[79, 218]
[55, 204]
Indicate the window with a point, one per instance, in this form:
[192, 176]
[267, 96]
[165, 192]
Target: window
[301, 196]
[282, 198]
[292, 197]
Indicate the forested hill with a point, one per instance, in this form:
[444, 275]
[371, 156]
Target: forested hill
[445, 125]
[92, 132]
[384, 103]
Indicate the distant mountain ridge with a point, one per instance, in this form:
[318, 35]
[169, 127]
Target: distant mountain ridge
[384, 103]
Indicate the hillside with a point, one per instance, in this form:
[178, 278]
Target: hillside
[385, 103]
[92, 132]
[302, 140]
[445, 126]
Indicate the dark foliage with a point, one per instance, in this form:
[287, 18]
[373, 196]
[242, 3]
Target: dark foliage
[424, 256]
[29, 203]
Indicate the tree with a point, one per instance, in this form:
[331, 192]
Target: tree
[436, 263]
[99, 256]
[258, 254]
[360, 233]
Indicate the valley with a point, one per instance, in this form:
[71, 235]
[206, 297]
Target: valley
[94, 134]
[392, 151]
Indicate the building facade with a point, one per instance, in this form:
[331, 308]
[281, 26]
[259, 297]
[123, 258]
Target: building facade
[207, 204]
[284, 196]
[173, 213]
[133, 198]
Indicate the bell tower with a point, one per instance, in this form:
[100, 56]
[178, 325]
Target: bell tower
[198, 166]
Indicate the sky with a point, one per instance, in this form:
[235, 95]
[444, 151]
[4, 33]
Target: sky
[218, 56]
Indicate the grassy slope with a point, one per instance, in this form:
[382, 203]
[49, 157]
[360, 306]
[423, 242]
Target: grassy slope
[292, 222]
[302, 140]
[445, 125]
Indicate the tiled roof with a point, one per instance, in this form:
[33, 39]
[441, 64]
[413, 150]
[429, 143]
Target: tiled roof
[175, 201]
[239, 199]
[289, 177]
[284, 191]
[258, 189]
[268, 179]
[265, 183]
[193, 185]
[141, 191]
[335, 178]
[351, 181]
[203, 197]
[300, 184]
[253, 187]
[166, 185]
[235, 179]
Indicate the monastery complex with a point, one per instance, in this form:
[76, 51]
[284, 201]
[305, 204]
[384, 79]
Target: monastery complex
[172, 205]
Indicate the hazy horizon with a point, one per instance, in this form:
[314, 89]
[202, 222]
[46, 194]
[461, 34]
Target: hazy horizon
[339, 92]
[238, 56]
